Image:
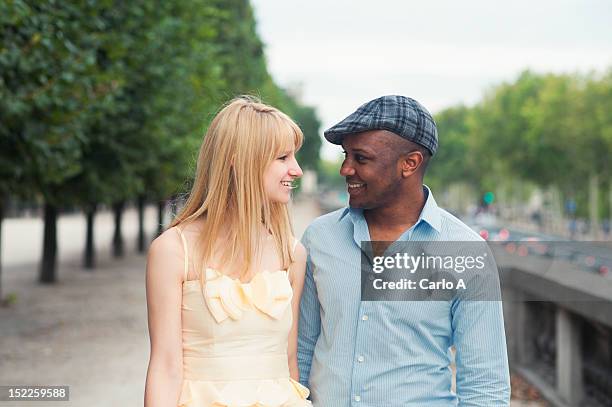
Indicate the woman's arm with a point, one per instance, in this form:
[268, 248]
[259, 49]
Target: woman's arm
[296, 276]
[165, 265]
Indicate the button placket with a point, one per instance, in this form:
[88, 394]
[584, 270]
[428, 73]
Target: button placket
[363, 312]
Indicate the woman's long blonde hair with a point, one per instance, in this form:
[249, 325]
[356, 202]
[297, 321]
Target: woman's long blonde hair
[228, 190]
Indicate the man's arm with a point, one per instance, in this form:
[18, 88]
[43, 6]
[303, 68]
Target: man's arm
[309, 324]
[483, 378]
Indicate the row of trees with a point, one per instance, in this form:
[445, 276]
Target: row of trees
[102, 103]
[553, 132]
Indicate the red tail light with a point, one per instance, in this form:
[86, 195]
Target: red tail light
[484, 233]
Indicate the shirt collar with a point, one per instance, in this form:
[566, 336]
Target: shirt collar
[431, 211]
[348, 210]
[429, 214]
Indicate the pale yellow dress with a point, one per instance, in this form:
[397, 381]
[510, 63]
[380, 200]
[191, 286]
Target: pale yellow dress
[235, 341]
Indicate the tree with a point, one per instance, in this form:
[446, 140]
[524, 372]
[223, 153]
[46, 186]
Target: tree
[47, 85]
[102, 103]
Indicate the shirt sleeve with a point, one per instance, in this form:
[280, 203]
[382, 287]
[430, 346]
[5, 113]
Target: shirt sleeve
[483, 378]
[309, 325]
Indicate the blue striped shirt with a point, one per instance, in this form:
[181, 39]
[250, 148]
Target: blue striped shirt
[393, 353]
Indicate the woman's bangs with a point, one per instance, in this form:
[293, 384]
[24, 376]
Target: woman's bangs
[287, 136]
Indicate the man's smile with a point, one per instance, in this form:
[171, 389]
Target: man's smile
[355, 187]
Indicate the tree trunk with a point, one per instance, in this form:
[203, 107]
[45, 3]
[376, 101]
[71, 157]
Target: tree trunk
[161, 208]
[141, 233]
[609, 229]
[89, 257]
[593, 206]
[118, 246]
[49, 264]
[556, 211]
[1, 218]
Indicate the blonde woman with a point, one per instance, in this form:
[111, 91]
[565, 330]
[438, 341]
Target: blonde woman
[224, 281]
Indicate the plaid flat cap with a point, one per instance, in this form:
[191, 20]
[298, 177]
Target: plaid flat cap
[398, 114]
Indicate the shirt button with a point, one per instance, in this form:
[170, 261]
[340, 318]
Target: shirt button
[357, 398]
[360, 359]
[364, 318]
[371, 277]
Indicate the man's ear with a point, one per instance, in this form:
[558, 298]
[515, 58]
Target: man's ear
[411, 162]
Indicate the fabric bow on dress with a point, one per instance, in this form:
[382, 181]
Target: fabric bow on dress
[269, 292]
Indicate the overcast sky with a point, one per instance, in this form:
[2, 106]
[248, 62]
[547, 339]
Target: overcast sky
[343, 53]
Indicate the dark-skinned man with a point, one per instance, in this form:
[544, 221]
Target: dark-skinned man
[391, 353]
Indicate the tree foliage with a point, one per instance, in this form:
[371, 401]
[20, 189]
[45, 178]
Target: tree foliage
[546, 130]
[104, 102]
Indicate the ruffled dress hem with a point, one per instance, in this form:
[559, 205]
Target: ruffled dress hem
[244, 393]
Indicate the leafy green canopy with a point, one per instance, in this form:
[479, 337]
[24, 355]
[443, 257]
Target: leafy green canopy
[103, 101]
[546, 130]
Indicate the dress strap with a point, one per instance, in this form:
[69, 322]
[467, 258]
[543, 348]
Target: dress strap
[180, 232]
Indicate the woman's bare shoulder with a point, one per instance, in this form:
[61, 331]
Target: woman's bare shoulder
[300, 252]
[166, 253]
[168, 241]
